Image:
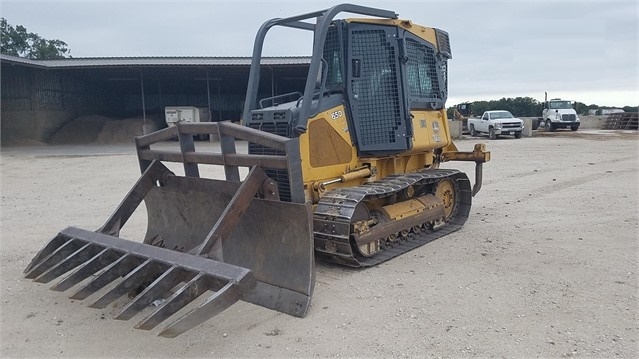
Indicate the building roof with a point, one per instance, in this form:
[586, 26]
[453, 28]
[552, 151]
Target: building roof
[87, 62]
[13, 59]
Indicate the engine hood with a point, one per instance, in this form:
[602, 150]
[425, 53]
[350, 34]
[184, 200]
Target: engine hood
[508, 120]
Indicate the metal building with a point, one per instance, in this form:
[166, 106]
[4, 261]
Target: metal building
[40, 96]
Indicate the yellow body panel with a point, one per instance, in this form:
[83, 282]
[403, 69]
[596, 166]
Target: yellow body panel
[336, 118]
[430, 131]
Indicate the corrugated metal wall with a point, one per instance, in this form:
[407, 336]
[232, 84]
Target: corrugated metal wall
[32, 89]
[17, 85]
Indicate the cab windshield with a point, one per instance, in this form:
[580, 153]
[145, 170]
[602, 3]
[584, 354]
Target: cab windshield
[559, 105]
[501, 114]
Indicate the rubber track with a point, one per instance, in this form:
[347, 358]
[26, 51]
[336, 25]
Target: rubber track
[338, 206]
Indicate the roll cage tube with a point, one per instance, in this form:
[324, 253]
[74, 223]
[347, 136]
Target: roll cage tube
[320, 29]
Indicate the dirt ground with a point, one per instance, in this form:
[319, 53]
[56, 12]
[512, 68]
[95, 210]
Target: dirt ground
[546, 265]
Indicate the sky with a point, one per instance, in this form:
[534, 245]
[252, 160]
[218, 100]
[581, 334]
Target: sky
[583, 50]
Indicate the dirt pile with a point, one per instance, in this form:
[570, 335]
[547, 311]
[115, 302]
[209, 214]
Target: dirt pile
[84, 129]
[98, 129]
[119, 131]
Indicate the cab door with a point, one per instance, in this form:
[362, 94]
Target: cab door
[375, 93]
[484, 123]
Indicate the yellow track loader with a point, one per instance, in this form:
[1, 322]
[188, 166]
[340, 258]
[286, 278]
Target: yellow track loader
[347, 169]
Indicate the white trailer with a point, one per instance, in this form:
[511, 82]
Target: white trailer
[175, 114]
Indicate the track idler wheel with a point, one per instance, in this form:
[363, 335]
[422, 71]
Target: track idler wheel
[446, 193]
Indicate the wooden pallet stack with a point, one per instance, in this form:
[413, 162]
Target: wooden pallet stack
[622, 121]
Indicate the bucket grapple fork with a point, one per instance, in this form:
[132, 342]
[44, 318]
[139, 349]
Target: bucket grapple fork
[232, 239]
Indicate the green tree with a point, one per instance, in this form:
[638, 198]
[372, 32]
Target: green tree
[519, 106]
[529, 107]
[17, 41]
[581, 108]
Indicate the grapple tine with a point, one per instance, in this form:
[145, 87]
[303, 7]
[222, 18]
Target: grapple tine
[118, 268]
[213, 306]
[187, 293]
[70, 246]
[99, 261]
[144, 272]
[157, 289]
[55, 243]
[73, 260]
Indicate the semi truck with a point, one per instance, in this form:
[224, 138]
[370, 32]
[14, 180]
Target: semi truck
[558, 113]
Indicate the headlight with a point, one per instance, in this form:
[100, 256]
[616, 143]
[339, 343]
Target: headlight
[498, 125]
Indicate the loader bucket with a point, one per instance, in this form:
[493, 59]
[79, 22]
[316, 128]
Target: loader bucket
[209, 243]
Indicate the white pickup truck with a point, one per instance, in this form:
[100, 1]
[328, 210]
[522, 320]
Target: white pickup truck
[496, 123]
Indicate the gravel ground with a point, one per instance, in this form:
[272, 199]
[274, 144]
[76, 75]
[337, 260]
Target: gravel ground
[546, 265]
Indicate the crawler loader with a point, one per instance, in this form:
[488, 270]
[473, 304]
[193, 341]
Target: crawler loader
[346, 169]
